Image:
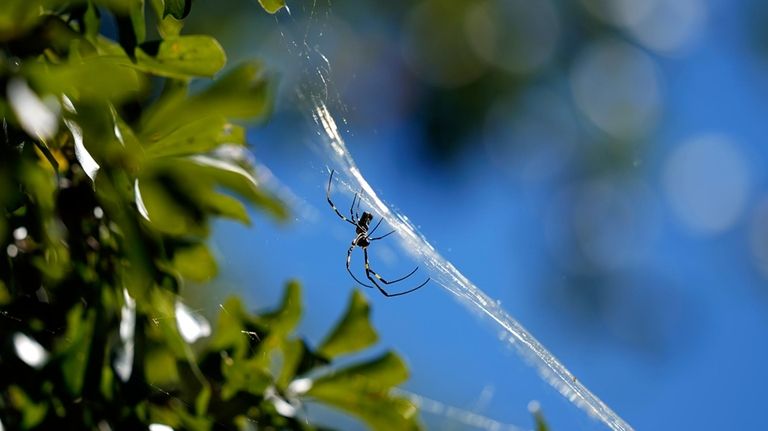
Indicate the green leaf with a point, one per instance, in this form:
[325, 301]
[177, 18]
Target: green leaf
[170, 204]
[179, 9]
[378, 374]
[246, 375]
[181, 57]
[17, 16]
[195, 263]
[202, 400]
[92, 22]
[225, 206]
[240, 181]
[32, 413]
[91, 79]
[138, 21]
[5, 297]
[286, 317]
[163, 313]
[233, 328]
[119, 7]
[197, 137]
[133, 153]
[160, 367]
[74, 348]
[229, 328]
[242, 93]
[167, 25]
[541, 423]
[353, 332]
[42, 147]
[272, 6]
[363, 391]
[180, 194]
[293, 351]
[40, 185]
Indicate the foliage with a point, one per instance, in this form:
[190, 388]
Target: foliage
[111, 170]
[540, 422]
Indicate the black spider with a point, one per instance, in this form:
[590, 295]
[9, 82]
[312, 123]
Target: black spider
[363, 240]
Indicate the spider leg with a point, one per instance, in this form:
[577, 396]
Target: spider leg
[374, 230]
[381, 237]
[330, 202]
[349, 256]
[377, 226]
[351, 213]
[357, 211]
[369, 271]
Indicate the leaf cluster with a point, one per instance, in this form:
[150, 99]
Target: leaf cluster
[112, 167]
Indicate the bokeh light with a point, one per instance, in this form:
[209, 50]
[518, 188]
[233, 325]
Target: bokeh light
[707, 182]
[515, 35]
[664, 26]
[618, 88]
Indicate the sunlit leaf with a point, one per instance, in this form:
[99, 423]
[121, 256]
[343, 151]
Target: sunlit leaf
[292, 352]
[195, 263]
[38, 119]
[353, 332]
[231, 327]
[138, 21]
[240, 181]
[46, 153]
[199, 136]
[381, 373]
[363, 391]
[272, 6]
[191, 325]
[89, 79]
[180, 195]
[92, 22]
[227, 206]
[172, 210]
[167, 25]
[181, 57]
[242, 93]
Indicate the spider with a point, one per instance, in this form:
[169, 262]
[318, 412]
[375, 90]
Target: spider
[363, 239]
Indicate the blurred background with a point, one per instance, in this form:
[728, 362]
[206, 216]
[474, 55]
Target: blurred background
[596, 165]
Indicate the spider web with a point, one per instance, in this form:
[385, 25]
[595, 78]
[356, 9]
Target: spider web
[314, 91]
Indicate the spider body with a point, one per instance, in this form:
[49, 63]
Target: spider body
[363, 240]
[363, 223]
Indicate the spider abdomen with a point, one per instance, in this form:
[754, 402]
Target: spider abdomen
[363, 241]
